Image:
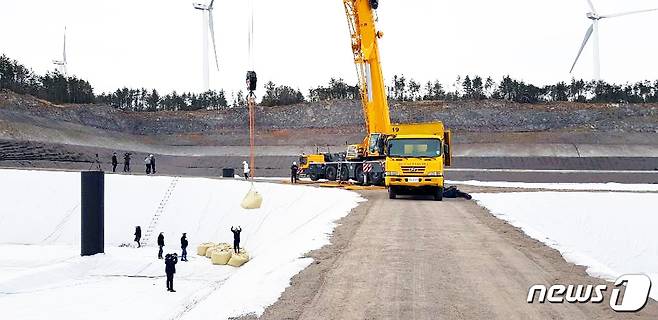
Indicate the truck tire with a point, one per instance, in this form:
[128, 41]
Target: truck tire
[359, 176]
[330, 173]
[313, 176]
[344, 173]
[391, 193]
[438, 194]
[377, 178]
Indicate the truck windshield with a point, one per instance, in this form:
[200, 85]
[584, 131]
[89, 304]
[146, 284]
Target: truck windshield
[414, 148]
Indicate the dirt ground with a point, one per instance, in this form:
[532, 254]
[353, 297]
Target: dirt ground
[415, 259]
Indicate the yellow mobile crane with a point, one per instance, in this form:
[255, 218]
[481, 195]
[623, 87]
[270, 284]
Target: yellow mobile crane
[406, 158]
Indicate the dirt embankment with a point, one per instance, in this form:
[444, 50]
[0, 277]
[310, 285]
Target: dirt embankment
[473, 116]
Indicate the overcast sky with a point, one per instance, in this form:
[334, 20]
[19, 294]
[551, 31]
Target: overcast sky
[157, 43]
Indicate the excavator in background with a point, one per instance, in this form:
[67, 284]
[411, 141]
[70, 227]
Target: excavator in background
[406, 158]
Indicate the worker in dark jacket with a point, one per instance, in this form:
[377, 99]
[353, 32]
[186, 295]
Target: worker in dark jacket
[160, 244]
[126, 162]
[170, 270]
[293, 172]
[152, 163]
[236, 238]
[138, 236]
[183, 245]
[115, 162]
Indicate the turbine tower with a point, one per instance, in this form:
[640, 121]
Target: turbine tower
[594, 30]
[207, 24]
[61, 64]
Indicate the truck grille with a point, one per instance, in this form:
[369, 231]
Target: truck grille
[413, 170]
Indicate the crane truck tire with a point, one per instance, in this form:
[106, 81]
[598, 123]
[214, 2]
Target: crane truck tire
[330, 173]
[377, 178]
[360, 176]
[344, 173]
[438, 194]
[391, 193]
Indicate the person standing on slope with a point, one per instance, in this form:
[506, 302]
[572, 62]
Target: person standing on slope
[236, 238]
[138, 236]
[115, 162]
[170, 270]
[126, 162]
[147, 162]
[293, 172]
[152, 157]
[183, 245]
[245, 169]
[160, 244]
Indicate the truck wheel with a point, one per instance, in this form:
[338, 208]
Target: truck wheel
[313, 176]
[330, 173]
[359, 175]
[438, 194]
[344, 173]
[377, 178]
[391, 193]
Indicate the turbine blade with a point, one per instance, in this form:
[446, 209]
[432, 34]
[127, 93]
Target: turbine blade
[587, 35]
[627, 13]
[212, 34]
[210, 5]
[591, 5]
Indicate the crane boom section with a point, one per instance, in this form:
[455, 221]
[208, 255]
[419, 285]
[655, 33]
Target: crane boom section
[364, 35]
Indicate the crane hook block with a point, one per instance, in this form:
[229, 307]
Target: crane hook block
[251, 81]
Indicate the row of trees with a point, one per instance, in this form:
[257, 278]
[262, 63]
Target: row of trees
[337, 89]
[281, 95]
[151, 100]
[477, 88]
[53, 86]
[58, 88]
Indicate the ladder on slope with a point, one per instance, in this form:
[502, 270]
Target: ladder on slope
[150, 230]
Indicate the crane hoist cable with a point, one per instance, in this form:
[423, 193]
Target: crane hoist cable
[250, 35]
[253, 199]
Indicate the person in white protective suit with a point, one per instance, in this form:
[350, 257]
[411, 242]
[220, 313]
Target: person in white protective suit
[245, 169]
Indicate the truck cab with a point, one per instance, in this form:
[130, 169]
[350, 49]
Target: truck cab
[415, 159]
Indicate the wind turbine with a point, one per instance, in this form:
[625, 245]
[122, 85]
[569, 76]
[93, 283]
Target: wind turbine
[594, 29]
[61, 64]
[207, 24]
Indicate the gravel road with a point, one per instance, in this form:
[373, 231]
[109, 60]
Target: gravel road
[415, 259]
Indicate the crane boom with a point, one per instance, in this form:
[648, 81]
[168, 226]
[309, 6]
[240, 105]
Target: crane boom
[364, 36]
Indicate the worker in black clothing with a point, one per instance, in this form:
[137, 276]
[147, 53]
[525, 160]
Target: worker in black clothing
[293, 172]
[236, 238]
[138, 236]
[152, 163]
[126, 162]
[170, 270]
[160, 244]
[183, 245]
[115, 162]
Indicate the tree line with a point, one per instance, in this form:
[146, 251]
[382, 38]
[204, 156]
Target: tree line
[58, 88]
[150, 100]
[478, 88]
